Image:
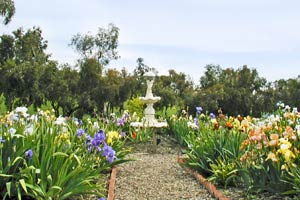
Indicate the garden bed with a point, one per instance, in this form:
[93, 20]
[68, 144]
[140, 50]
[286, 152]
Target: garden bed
[236, 193]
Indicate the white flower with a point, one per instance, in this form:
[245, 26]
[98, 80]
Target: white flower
[298, 129]
[60, 121]
[287, 108]
[12, 131]
[29, 129]
[96, 126]
[22, 110]
[41, 112]
[295, 110]
[280, 104]
[64, 129]
[192, 125]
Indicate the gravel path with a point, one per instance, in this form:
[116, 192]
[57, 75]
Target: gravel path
[156, 175]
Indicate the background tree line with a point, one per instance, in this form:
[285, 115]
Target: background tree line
[28, 76]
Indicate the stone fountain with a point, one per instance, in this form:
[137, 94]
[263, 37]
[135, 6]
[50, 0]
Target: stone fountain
[149, 112]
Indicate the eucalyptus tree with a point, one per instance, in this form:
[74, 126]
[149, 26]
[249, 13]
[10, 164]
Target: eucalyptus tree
[96, 51]
[7, 10]
[102, 46]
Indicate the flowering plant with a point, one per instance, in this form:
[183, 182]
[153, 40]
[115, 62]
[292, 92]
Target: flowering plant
[45, 157]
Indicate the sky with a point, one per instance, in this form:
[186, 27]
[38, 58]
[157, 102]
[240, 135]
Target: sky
[185, 35]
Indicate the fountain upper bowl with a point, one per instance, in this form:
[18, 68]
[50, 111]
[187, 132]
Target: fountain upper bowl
[150, 100]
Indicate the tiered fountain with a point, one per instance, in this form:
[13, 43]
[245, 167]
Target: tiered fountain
[149, 112]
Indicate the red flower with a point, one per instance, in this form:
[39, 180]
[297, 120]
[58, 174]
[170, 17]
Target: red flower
[134, 134]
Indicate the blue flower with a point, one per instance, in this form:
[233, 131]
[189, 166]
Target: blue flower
[88, 138]
[102, 198]
[28, 154]
[99, 138]
[79, 132]
[106, 149]
[88, 143]
[111, 156]
[212, 115]
[199, 110]
[109, 153]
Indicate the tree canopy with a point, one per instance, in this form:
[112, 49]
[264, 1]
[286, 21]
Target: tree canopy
[7, 10]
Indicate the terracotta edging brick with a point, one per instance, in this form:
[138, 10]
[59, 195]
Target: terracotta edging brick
[208, 185]
[112, 182]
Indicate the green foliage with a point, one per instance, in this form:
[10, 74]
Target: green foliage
[179, 128]
[266, 176]
[293, 178]
[224, 173]
[135, 105]
[61, 165]
[46, 106]
[102, 46]
[7, 10]
[141, 135]
[3, 108]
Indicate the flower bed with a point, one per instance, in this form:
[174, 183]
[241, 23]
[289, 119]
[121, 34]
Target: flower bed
[47, 157]
[258, 154]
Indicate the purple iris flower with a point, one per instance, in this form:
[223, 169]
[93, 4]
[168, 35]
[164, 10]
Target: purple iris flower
[99, 138]
[88, 142]
[79, 132]
[88, 138]
[111, 156]
[102, 198]
[212, 115]
[120, 122]
[109, 153]
[28, 154]
[199, 110]
[106, 149]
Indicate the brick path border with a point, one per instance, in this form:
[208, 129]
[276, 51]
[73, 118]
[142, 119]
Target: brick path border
[211, 188]
[112, 181]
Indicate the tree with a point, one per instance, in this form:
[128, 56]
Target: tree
[6, 48]
[22, 59]
[60, 87]
[30, 46]
[7, 10]
[235, 91]
[211, 76]
[90, 87]
[102, 46]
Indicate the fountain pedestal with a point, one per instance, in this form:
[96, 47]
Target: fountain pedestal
[149, 112]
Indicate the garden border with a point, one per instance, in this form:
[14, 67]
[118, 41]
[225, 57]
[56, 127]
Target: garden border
[211, 188]
[112, 182]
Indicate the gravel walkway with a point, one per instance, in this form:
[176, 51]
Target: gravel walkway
[157, 175]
